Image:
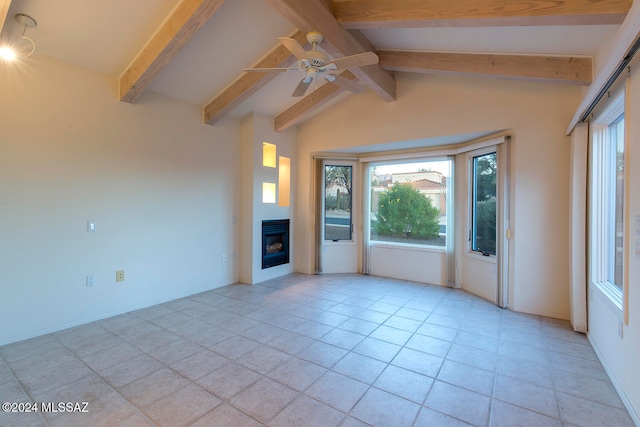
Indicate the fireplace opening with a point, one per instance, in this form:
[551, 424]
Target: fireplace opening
[275, 242]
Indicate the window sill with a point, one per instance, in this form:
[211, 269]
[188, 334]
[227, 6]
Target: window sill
[339, 243]
[611, 295]
[408, 246]
[491, 259]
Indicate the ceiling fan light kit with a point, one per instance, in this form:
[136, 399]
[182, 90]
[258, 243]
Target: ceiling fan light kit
[315, 63]
[10, 52]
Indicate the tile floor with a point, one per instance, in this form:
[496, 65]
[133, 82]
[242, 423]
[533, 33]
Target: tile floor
[334, 350]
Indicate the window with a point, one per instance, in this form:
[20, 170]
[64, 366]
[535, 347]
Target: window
[337, 202]
[409, 202]
[483, 205]
[607, 200]
[616, 130]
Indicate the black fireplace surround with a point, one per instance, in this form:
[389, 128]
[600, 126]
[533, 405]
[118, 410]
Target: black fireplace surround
[275, 242]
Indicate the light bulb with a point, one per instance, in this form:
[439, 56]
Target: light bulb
[7, 54]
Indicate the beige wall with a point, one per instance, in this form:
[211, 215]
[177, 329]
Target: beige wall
[619, 354]
[430, 106]
[160, 185]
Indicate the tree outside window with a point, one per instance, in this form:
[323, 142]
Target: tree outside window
[404, 212]
[409, 202]
[337, 202]
[483, 231]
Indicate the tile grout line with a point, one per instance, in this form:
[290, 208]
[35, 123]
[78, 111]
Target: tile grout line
[24, 390]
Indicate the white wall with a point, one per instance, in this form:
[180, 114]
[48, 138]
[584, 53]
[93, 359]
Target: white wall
[160, 185]
[400, 262]
[618, 354]
[256, 129]
[430, 106]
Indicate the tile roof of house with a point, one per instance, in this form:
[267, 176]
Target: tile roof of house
[421, 184]
[427, 184]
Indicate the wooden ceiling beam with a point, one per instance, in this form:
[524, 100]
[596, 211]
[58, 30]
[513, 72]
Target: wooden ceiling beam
[556, 69]
[314, 15]
[246, 84]
[309, 105]
[175, 32]
[359, 14]
[4, 10]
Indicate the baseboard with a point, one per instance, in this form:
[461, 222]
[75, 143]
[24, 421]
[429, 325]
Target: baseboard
[101, 316]
[623, 397]
[561, 316]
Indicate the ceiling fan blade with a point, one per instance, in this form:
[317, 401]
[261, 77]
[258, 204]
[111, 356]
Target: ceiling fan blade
[294, 47]
[258, 70]
[302, 87]
[347, 84]
[358, 60]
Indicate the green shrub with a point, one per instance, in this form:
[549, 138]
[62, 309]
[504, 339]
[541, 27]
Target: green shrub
[404, 211]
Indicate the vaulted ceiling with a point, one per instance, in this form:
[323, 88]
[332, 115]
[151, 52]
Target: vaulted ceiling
[196, 50]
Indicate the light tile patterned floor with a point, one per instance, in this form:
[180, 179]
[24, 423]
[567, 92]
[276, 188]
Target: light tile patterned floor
[328, 350]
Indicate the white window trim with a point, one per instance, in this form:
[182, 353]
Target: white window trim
[354, 181]
[471, 155]
[408, 246]
[423, 157]
[601, 210]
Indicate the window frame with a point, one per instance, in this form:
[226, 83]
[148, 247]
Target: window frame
[340, 163]
[447, 194]
[472, 155]
[602, 202]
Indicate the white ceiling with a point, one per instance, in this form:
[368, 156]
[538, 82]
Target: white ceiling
[558, 40]
[105, 35]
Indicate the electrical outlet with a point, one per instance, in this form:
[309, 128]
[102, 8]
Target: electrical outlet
[224, 257]
[120, 276]
[91, 280]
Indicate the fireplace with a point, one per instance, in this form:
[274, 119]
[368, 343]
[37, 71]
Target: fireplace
[275, 242]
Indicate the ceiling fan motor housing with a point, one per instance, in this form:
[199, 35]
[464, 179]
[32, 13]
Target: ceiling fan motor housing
[317, 58]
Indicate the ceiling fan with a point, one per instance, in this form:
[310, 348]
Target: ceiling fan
[316, 64]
